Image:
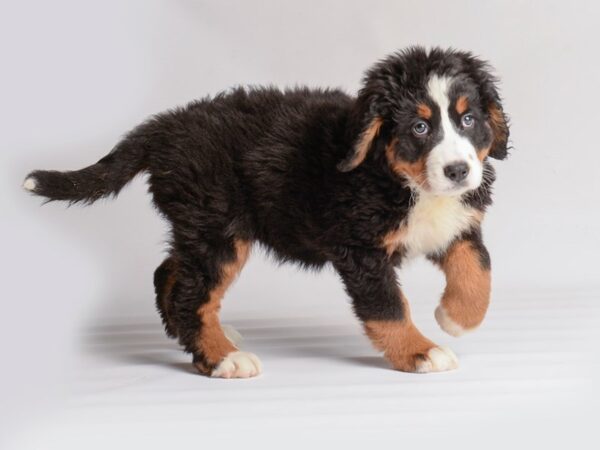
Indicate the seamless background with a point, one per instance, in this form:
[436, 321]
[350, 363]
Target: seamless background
[77, 75]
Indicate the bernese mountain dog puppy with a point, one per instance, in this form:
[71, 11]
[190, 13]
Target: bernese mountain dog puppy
[317, 176]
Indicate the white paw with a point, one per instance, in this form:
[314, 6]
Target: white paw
[29, 184]
[232, 334]
[438, 359]
[238, 365]
[447, 324]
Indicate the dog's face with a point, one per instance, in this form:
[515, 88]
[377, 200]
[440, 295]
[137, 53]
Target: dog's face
[436, 117]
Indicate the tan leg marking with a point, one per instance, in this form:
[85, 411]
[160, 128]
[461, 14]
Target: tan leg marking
[406, 348]
[212, 342]
[467, 294]
[414, 171]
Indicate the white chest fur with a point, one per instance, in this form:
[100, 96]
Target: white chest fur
[433, 222]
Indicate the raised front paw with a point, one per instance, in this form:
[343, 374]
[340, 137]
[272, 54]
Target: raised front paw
[456, 324]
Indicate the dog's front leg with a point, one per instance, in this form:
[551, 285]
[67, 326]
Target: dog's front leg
[466, 298]
[370, 280]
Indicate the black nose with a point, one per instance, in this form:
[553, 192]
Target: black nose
[457, 171]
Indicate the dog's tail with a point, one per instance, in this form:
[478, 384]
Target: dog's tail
[107, 177]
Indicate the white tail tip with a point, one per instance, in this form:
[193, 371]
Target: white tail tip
[29, 184]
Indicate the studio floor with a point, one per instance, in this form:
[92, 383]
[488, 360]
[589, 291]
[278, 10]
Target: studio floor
[529, 375]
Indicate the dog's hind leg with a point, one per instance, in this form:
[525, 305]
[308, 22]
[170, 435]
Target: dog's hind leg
[165, 277]
[205, 270]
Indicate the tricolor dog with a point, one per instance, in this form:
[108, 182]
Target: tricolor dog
[319, 177]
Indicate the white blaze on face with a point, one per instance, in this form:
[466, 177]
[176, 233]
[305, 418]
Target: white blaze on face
[453, 148]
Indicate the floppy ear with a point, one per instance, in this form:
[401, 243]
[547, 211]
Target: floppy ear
[363, 144]
[481, 72]
[499, 125]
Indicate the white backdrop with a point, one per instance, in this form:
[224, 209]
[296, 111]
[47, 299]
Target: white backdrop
[76, 75]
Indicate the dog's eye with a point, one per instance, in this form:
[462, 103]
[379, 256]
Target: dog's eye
[420, 129]
[467, 121]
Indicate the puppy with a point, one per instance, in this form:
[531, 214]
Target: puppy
[318, 176]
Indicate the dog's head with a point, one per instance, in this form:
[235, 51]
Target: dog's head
[436, 115]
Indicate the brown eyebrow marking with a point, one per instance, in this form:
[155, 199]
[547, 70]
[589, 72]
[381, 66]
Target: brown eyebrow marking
[424, 111]
[462, 104]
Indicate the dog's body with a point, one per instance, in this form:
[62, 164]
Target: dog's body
[317, 176]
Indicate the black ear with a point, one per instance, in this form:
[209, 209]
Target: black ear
[361, 147]
[499, 125]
